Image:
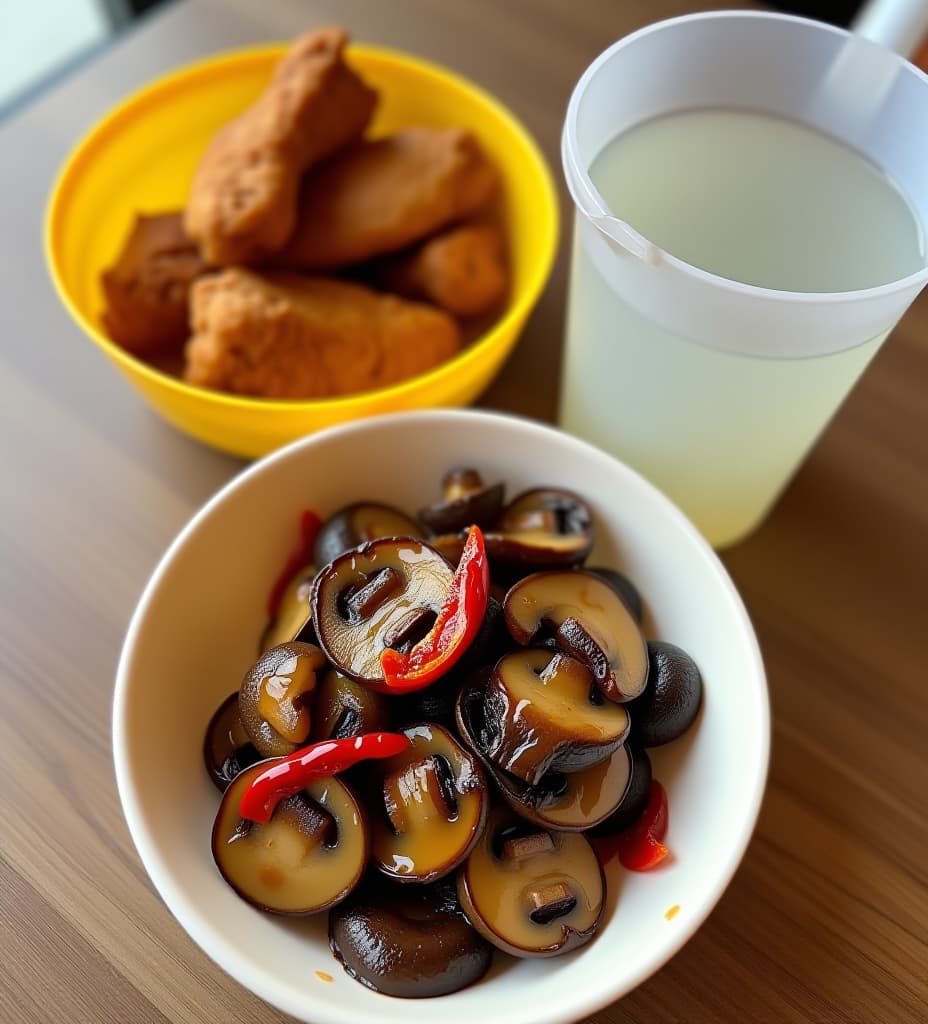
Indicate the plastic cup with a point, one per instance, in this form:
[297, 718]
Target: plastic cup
[765, 369]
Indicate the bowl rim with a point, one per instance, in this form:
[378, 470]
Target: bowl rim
[83, 152]
[264, 985]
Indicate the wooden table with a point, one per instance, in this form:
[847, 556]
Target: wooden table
[826, 919]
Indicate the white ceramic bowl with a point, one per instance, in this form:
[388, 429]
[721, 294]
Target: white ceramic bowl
[195, 633]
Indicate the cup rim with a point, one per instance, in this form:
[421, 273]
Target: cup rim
[577, 176]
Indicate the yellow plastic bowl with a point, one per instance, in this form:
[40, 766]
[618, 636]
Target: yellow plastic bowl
[141, 157]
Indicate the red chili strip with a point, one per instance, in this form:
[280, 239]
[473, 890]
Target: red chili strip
[301, 555]
[458, 622]
[288, 775]
[640, 846]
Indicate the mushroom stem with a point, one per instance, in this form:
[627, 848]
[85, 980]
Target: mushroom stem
[364, 602]
[577, 641]
[409, 629]
[523, 847]
[416, 793]
[312, 824]
[550, 902]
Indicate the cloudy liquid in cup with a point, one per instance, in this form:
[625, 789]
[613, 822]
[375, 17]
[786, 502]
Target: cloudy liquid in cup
[756, 199]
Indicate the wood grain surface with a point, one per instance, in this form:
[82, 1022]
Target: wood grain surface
[826, 920]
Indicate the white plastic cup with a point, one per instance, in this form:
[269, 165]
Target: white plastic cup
[788, 351]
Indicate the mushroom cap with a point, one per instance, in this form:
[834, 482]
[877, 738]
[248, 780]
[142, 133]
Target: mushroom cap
[358, 523]
[310, 855]
[293, 620]
[227, 750]
[672, 698]
[543, 712]
[635, 799]
[344, 708]
[571, 801]
[590, 622]
[276, 697]
[466, 500]
[385, 593]
[532, 892]
[624, 587]
[412, 942]
[435, 797]
[542, 527]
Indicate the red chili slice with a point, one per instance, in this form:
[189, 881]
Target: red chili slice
[288, 775]
[459, 619]
[640, 846]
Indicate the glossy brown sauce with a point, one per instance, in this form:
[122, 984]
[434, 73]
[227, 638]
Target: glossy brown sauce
[430, 832]
[509, 883]
[542, 702]
[592, 794]
[285, 695]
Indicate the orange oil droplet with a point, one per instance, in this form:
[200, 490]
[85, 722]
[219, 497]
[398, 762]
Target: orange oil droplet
[672, 912]
[324, 976]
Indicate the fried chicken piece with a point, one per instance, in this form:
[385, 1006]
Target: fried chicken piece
[292, 336]
[462, 270]
[242, 204]
[379, 196]
[146, 288]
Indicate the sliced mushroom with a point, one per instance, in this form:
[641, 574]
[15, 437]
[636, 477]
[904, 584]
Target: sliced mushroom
[407, 941]
[293, 620]
[541, 528]
[590, 622]
[451, 545]
[532, 891]
[465, 500]
[344, 708]
[543, 713]
[276, 697]
[310, 855]
[671, 700]
[571, 801]
[624, 587]
[435, 802]
[383, 594]
[227, 750]
[635, 799]
[357, 524]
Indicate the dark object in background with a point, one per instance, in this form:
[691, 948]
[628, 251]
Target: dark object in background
[121, 12]
[837, 12]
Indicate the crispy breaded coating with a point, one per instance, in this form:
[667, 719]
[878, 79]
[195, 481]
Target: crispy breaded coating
[292, 336]
[146, 288]
[379, 196]
[242, 204]
[462, 270]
